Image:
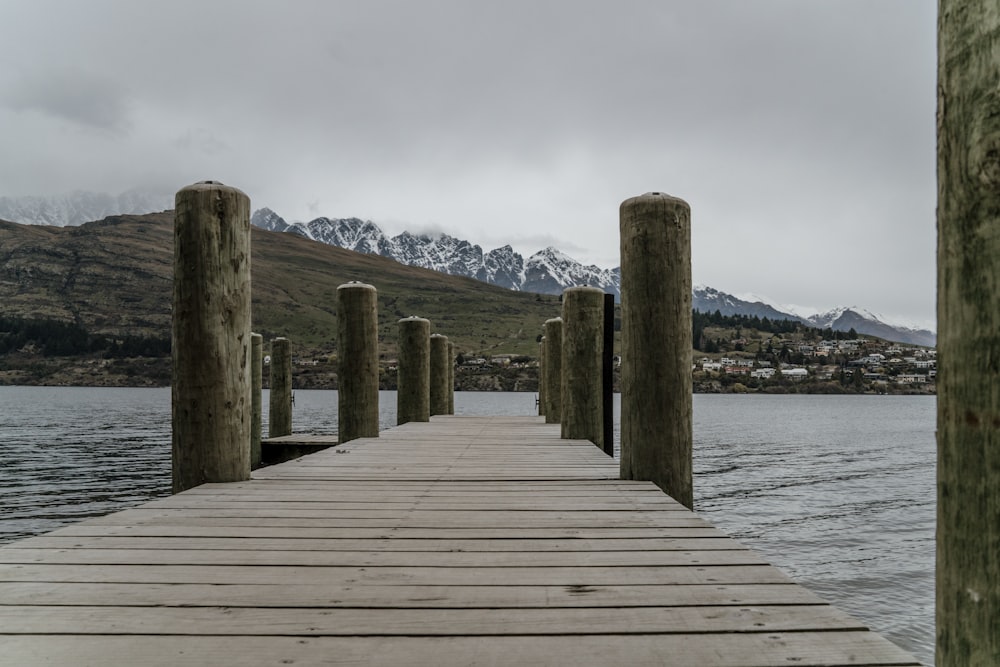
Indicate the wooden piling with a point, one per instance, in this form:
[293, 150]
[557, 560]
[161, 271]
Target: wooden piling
[451, 378]
[279, 416]
[582, 350]
[357, 361]
[414, 370]
[439, 374]
[210, 387]
[553, 370]
[968, 311]
[656, 431]
[256, 397]
[607, 374]
[541, 377]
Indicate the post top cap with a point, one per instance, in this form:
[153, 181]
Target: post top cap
[414, 318]
[437, 335]
[354, 284]
[651, 197]
[584, 288]
[554, 320]
[202, 186]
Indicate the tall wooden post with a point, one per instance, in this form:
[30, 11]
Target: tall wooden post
[413, 401]
[256, 398]
[357, 361]
[541, 377]
[210, 388]
[582, 349]
[279, 416]
[656, 343]
[439, 375]
[553, 370]
[451, 378]
[968, 308]
[607, 374]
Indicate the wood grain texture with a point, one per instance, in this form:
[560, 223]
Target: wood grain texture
[210, 388]
[656, 421]
[404, 550]
[357, 361]
[968, 307]
[279, 416]
[582, 385]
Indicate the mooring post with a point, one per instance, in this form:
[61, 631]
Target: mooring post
[541, 377]
[451, 378]
[439, 375]
[553, 370]
[413, 401]
[357, 361]
[968, 315]
[210, 387]
[582, 350]
[607, 375]
[656, 343]
[256, 398]
[279, 416]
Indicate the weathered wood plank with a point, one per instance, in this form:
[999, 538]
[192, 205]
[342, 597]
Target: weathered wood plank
[809, 649]
[333, 622]
[460, 541]
[382, 545]
[152, 557]
[210, 527]
[392, 576]
[418, 517]
[322, 595]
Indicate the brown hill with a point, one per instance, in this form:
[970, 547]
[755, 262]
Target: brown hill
[114, 277]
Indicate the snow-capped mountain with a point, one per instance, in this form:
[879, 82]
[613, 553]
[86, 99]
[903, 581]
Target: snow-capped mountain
[707, 299]
[549, 271]
[867, 322]
[79, 207]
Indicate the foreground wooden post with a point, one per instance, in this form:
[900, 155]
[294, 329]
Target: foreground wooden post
[968, 310]
[413, 401]
[256, 397]
[541, 377]
[582, 351]
[210, 387]
[451, 378]
[553, 370]
[439, 375]
[357, 361]
[279, 417]
[656, 343]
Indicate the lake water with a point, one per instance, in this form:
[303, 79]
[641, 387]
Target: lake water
[838, 491]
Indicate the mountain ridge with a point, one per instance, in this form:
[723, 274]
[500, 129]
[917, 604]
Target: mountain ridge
[548, 271]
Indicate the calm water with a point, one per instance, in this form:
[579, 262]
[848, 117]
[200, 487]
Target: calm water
[838, 491]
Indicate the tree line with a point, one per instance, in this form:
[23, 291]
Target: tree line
[56, 338]
[700, 321]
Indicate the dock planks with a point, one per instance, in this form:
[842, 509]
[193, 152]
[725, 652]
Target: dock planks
[484, 540]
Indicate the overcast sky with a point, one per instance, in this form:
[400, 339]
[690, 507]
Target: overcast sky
[800, 132]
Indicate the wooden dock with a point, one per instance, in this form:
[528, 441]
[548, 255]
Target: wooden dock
[462, 541]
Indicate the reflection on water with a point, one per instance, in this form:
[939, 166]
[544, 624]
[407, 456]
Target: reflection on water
[838, 491]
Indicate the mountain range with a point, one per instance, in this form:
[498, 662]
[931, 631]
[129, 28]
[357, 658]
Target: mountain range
[547, 271]
[79, 207]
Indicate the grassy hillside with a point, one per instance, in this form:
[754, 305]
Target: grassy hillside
[114, 277]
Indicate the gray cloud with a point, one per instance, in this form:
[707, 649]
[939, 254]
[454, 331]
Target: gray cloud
[801, 133]
[74, 95]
